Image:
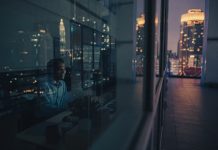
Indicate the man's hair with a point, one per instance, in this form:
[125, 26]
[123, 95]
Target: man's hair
[53, 64]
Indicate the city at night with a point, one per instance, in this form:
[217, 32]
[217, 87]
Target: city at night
[108, 75]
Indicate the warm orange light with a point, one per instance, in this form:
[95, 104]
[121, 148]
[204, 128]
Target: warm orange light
[193, 15]
[140, 21]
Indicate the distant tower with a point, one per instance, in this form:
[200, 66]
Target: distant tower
[191, 39]
[140, 34]
[140, 21]
[62, 37]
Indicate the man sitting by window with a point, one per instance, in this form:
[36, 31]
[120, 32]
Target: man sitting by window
[55, 94]
[55, 88]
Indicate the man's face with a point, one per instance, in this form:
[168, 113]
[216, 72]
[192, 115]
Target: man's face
[59, 72]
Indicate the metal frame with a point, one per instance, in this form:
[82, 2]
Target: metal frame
[153, 95]
[82, 44]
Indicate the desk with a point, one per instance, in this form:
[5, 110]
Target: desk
[36, 134]
[79, 137]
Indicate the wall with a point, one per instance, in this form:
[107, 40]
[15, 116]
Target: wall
[210, 69]
[125, 36]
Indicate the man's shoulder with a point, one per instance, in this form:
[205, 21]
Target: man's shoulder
[62, 82]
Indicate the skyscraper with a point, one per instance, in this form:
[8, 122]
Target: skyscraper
[140, 44]
[62, 36]
[191, 42]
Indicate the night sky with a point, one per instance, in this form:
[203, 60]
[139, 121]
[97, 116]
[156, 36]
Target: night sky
[176, 9]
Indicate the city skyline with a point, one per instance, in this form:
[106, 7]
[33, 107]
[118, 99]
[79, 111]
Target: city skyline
[176, 9]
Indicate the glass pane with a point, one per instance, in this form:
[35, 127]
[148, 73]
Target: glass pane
[157, 40]
[88, 36]
[97, 38]
[66, 72]
[87, 65]
[139, 61]
[76, 43]
[97, 57]
[31, 39]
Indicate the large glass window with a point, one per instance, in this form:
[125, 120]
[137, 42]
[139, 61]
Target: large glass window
[67, 73]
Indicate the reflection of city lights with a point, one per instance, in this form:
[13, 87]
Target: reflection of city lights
[20, 31]
[42, 31]
[156, 21]
[28, 91]
[62, 36]
[108, 28]
[35, 81]
[140, 21]
[41, 92]
[24, 52]
[34, 40]
[83, 19]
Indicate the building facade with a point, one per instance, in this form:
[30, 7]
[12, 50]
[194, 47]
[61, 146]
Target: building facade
[191, 42]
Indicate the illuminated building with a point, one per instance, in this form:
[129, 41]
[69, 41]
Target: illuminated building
[62, 36]
[140, 21]
[140, 34]
[191, 40]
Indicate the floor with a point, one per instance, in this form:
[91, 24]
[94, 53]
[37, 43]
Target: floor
[191, 118]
